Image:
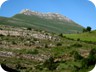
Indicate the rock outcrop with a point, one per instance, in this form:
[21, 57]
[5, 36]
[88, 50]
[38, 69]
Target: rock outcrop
[48, 15]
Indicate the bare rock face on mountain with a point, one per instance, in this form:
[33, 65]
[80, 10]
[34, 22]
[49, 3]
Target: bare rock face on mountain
[46, 15]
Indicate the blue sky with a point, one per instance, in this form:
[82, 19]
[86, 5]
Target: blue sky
[82, 12]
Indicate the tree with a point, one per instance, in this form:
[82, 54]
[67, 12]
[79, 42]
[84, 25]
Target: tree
[84, 30]
[77, 56]
[29, 28]
[50, 64]
[88, 28]
[90, 60]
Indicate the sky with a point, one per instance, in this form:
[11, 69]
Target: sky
[82, 12]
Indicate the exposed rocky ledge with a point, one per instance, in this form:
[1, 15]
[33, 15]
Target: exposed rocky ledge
[48, 15]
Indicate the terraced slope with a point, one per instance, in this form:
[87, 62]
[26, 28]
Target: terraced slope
[38, 51]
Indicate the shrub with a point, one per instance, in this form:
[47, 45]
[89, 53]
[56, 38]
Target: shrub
[88, 29]
[1, 35]
[78, 39]
[29, 28]
[35, 51]
[40, 67]
[50, 64]
[92, 56]
[77, 45]
[76, 55]
[46, 46]
[61, 35]
[90, 60]
[59, 44]
[14, 43]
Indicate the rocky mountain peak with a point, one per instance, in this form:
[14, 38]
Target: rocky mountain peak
[48, 15]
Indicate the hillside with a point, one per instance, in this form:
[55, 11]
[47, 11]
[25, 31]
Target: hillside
[51, 22]
[38, 51]
[87, 36]
[29, 42]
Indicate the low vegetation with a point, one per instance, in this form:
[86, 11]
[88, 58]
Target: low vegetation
[31, 50]
[86, 36]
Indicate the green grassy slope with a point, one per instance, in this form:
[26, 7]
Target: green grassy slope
[33, 21]
[88, 36]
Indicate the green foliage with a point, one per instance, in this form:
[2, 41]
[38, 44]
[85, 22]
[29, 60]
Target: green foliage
[78, 39]
[14, 43]
[61, 35]
[29, 28]
[61, 60]
[77, 45]
[92, 56]
[59, 44]
[90, 60]
[86, 36]
[34, 51]
[88, 29]
[84, 30]
[76, 56]
[46, 46]
[50, 64]
[1, 35]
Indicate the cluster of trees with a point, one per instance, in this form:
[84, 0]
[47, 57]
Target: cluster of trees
[88, 29]
[86, 63]
[90, 60]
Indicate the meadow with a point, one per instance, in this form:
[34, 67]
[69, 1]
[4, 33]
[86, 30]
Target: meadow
[87, 36]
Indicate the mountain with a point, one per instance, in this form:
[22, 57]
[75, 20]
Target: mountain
[45, 15]
[52, 22]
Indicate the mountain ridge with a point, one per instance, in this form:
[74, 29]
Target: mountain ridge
[51, 22]
[48, 15]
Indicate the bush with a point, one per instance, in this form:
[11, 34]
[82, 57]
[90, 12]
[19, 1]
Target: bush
[77, 45]
[90, 60]
[78, 39]
[59, 44]
[92, 56]
[76, 55]
[88, 29]
[29, 28]
[46, 46]
[14, 43]
[40, 67]
[1, 35]
[35, 51]
[61, 35]
[50, 64]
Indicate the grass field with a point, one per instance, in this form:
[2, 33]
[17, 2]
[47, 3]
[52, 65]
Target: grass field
[88, 36]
